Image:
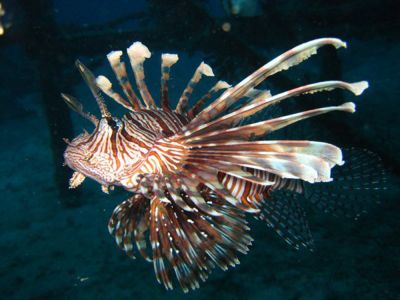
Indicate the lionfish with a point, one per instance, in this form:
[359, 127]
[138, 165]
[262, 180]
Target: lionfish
[195, 172]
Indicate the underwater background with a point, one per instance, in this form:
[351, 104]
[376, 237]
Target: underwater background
[54, 242]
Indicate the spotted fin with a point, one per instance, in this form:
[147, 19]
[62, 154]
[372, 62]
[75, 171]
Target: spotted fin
[129, 223]
[184, 243]
[356, 189]
[357, 186]
[284, 214]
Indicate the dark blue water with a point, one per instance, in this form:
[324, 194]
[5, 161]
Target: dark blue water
[54, 242]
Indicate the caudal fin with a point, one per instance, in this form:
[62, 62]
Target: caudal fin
[357, 186]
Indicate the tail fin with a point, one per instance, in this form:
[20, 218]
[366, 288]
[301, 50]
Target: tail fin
[355, 190]
[358, 185]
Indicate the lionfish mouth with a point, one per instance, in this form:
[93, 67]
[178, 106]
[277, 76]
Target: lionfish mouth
[198, 170]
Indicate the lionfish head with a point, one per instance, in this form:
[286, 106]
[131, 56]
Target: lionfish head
[90, 154]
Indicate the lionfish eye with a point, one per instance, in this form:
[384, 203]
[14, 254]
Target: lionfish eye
[112, 123]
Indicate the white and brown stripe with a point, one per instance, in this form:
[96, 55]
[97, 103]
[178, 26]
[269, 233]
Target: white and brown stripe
[195, 172]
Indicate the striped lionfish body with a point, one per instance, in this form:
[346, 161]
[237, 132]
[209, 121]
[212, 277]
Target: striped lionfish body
[194, 173]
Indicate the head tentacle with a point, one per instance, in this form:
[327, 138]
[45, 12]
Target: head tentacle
[91, 82]
[76, 106]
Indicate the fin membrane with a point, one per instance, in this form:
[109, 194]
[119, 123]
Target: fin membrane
[284, 214]
[357, 185]
[129, 222]
[187, 244]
